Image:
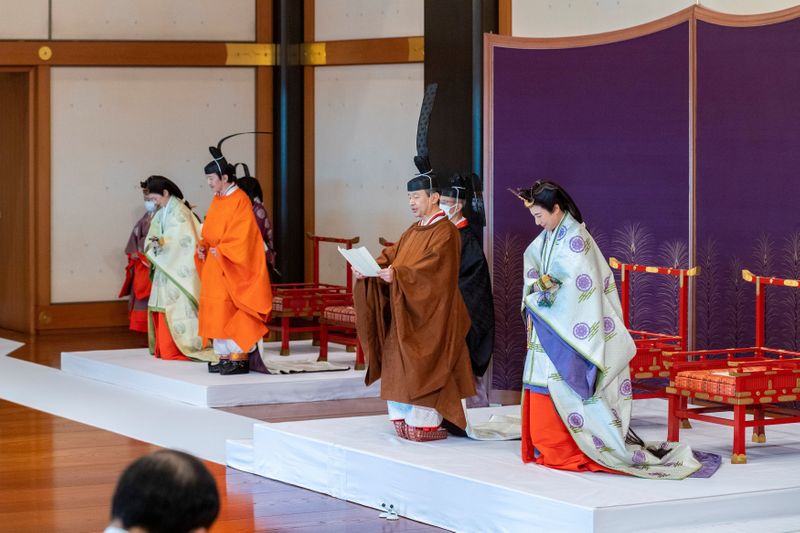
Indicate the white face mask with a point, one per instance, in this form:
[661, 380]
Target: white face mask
[449, 210]
[150, 205]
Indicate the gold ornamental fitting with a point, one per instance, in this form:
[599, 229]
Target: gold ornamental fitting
[45, 318]
[416, 49]
[45, 53]
[314, 54]
[250, 54]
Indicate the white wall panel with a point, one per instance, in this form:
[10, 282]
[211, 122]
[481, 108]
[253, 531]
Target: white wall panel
[365, 129]
[560, 18]
[23, 19]
[169, 20]
[747, 7]
[113, 127]
[366, 19]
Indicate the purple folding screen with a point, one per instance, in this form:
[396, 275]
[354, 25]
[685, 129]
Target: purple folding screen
[611, 123]
[748, 180]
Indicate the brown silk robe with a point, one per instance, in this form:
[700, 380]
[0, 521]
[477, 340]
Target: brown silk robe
[413, 330]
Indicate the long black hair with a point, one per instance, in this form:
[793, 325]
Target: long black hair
[251, 187]
[158, 184]
[548, 194]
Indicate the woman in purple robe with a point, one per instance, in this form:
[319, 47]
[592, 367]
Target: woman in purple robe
[137, 272]
[251, 186]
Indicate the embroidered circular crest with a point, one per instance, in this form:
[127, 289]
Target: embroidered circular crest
[261, 213]
[172, 293]
[598, 442]
[583, 282]
[638, 457]
[608, 324]
[581, 330]
[533, 274]
[626, 388]
[575, 420]
[576, 244]
[561, 233]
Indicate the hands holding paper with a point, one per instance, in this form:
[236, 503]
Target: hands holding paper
[386, 274]
[364, 265]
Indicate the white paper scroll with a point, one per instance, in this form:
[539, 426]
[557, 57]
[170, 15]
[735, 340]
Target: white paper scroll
[361, 260]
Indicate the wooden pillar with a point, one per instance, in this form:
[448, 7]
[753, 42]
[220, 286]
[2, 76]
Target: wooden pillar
[454, 59]
[309, 154]
[16, 283]
[288, 145]
[264, 107]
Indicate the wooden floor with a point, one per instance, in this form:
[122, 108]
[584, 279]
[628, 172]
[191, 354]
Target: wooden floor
[59, 475]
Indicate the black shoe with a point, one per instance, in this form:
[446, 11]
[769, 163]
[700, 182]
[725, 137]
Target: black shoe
[230, 368]
[213, 368]
[453, 429]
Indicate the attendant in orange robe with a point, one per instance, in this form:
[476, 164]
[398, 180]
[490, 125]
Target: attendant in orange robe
[235, 292]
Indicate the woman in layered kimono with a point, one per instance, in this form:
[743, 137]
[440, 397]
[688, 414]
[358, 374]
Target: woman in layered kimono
[169, 248]
[137, 273]
[577, 389]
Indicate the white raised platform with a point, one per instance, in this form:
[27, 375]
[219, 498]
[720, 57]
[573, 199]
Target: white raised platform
[191, 383]
[467, 485]
[200, 431]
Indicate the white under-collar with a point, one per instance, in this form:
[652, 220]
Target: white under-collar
[425, 222]
[230, 190]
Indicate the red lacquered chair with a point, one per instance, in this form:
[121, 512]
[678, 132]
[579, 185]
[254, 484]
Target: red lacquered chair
[752, 380]
[297, 307]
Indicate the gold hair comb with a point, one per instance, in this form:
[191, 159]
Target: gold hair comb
[528, 203]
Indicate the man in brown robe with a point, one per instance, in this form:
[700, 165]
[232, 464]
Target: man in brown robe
[412, 322]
